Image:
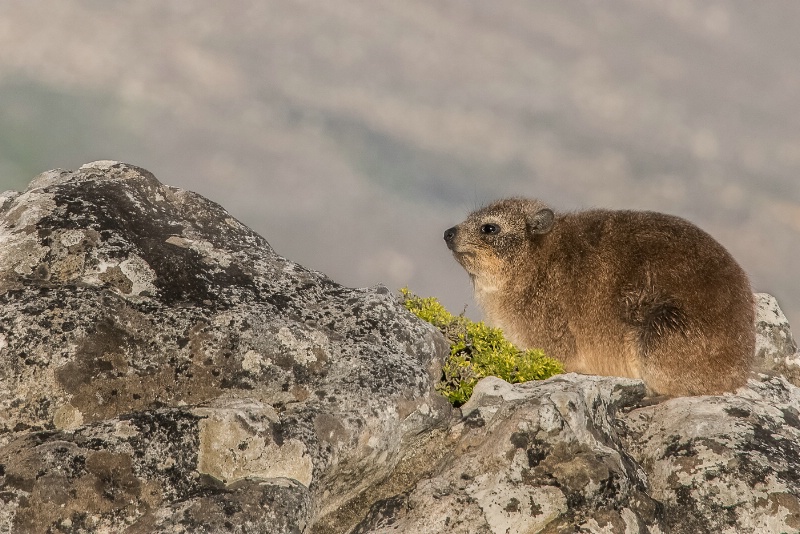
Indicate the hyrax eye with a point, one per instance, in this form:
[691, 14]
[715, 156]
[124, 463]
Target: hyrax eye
[490, 229]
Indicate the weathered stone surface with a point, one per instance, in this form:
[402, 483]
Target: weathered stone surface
[726, 464]
[139, 471]
[776, 350]
[534, 457]
[163, 370]
[158, 361]
[588, 454]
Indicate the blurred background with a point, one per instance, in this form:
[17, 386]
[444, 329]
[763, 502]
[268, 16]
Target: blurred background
[350, 134]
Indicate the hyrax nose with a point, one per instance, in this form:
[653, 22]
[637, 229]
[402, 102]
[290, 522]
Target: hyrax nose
[449, 235]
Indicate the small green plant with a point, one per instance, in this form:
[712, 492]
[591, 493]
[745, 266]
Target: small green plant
[476, 351]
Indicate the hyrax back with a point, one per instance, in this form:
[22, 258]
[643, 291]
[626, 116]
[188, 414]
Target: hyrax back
[622, 293]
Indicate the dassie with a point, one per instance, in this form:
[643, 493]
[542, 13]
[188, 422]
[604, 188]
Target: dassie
[620, 293]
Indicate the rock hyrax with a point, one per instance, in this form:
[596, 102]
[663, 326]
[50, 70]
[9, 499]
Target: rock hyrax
[621, 293]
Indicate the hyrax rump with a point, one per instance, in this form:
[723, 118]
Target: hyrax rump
[620, 293]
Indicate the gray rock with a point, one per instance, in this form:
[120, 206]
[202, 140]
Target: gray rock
[725, 464]
[776, 350]
[533, 457]
[158, 361]
[589, 454]
[162, 369]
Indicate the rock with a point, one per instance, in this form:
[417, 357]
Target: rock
[162, 369]
[725, 464]
[533, 457]
[776, 350]
[588, 454]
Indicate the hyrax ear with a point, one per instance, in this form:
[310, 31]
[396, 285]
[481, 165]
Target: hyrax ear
[541, 222]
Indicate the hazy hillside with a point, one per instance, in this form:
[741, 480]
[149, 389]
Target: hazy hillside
[351, 134]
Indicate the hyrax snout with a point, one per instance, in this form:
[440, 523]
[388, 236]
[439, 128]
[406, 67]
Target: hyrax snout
[620, 293]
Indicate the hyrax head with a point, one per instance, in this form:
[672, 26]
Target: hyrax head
[493, 238]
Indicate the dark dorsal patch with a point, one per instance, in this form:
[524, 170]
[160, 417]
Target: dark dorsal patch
[653, 314]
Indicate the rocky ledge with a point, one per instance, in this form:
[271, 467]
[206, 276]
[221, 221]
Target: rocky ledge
[162, 369]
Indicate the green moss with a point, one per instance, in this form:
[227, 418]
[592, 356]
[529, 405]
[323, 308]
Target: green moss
[476, 351]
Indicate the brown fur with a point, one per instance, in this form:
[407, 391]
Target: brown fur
[622, 293]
